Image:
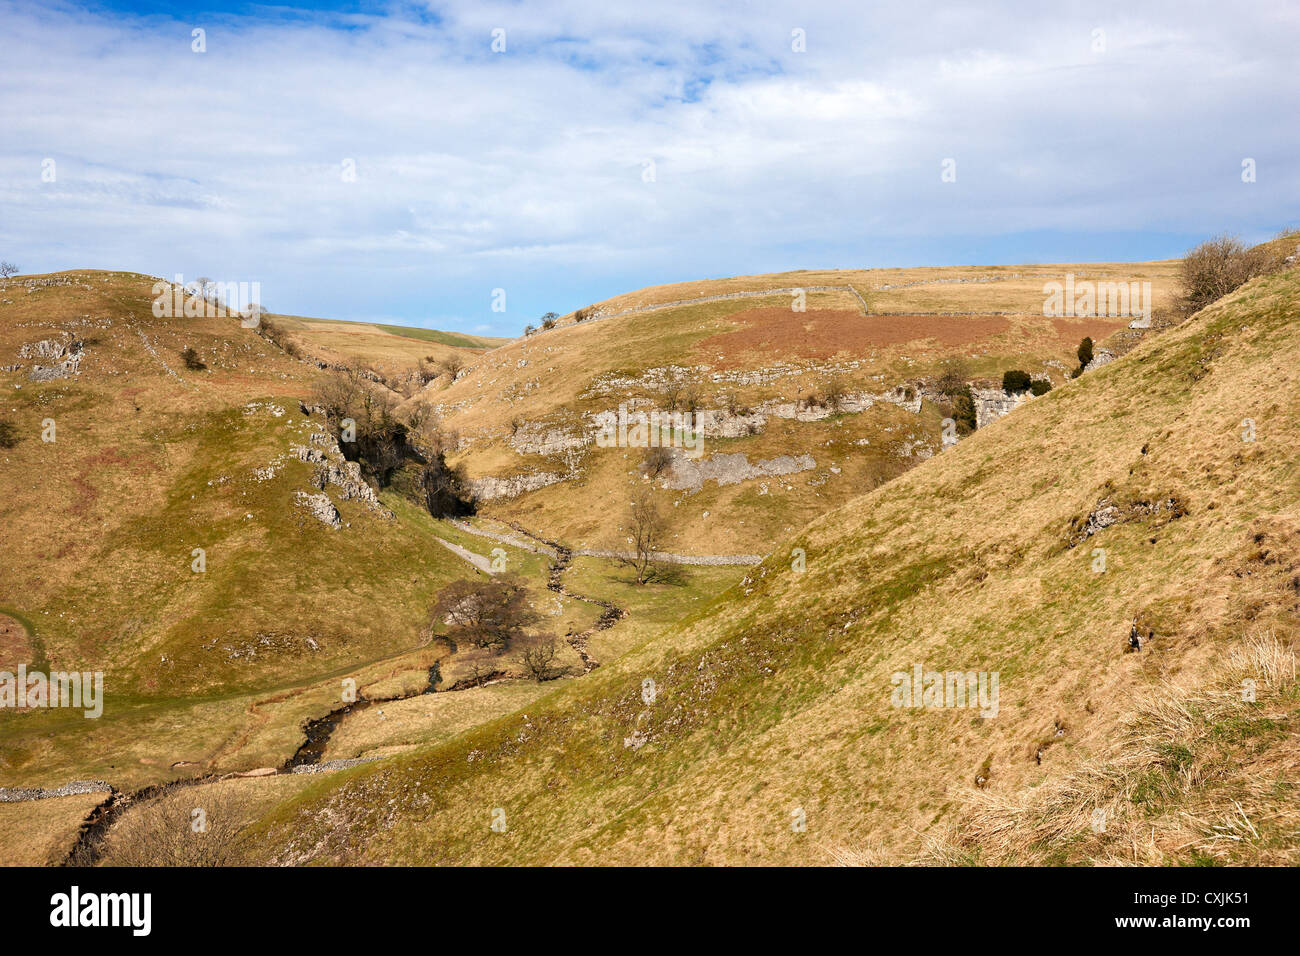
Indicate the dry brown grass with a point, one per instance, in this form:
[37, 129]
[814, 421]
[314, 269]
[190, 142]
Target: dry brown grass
[43, 832]
[778, 697]
[1166, 796]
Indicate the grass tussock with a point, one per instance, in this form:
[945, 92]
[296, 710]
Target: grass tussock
[1196, 777]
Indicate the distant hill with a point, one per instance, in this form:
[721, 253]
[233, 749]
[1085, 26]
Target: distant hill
[812, 387]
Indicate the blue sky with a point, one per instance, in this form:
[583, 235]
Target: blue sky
[610, 146]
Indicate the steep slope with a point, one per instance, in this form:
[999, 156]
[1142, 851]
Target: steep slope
[174, 528]
[808, 388]
[1158, 493]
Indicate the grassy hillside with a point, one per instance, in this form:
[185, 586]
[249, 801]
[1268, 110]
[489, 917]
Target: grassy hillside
[390, 349]
[772, 706]
[149, 460]
[767, 375]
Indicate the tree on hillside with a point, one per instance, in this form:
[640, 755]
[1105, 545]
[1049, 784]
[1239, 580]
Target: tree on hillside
[549, 319]
[953, 376]
[529, 329]
[1085, 352]
[673, 393]
[539, 655]
[834, 392]
[452, 364]
[376, 437]
[192, 360]
[1217, 267]
[8, 269]
[162, 831]
[8, 434]
[491, 611]
[657, 461]
[648, 531]
[1015, 380]
[963, 410]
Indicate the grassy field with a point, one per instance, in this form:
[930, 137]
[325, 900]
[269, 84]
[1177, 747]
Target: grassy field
[772, 736]
[390, 349]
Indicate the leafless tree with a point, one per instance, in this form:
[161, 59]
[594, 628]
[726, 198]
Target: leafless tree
[7, 269]
[673, 394]
[485, 612]
[835, 392]
[538, 656]
[657, 461]
[649, 528]
[1217, 267]
[452, 364]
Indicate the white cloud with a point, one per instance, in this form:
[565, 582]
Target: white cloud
[524, 170]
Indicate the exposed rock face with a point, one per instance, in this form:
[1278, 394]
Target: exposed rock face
[689, 474]
[333, 469]
[319, 507]
[1102, 357]
[67, 354]
[1109, 513]
[346, 476]
[486, 489]
[536, 438]
[720, 423]
[992, 403]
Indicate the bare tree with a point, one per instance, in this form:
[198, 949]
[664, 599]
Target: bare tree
[835, 393]
[452, 364]
[1217, 267]
[673, 394]
[691, 399]
[657, 461]
[7, 269]
[538, 658]
[954, 373]
[649, 529]
[485, 612]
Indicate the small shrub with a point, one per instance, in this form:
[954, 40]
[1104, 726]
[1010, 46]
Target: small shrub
[548, 322]
[1217, 267]
[529, 329]
[1014, 380]
[1085, 352]
[8, 434]
[963, 411]
[657, 461]
[1040, 386]
[192, 360]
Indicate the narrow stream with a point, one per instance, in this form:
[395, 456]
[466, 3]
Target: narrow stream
[94, 831]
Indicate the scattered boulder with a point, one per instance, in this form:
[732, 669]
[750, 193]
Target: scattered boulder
[319, 507]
